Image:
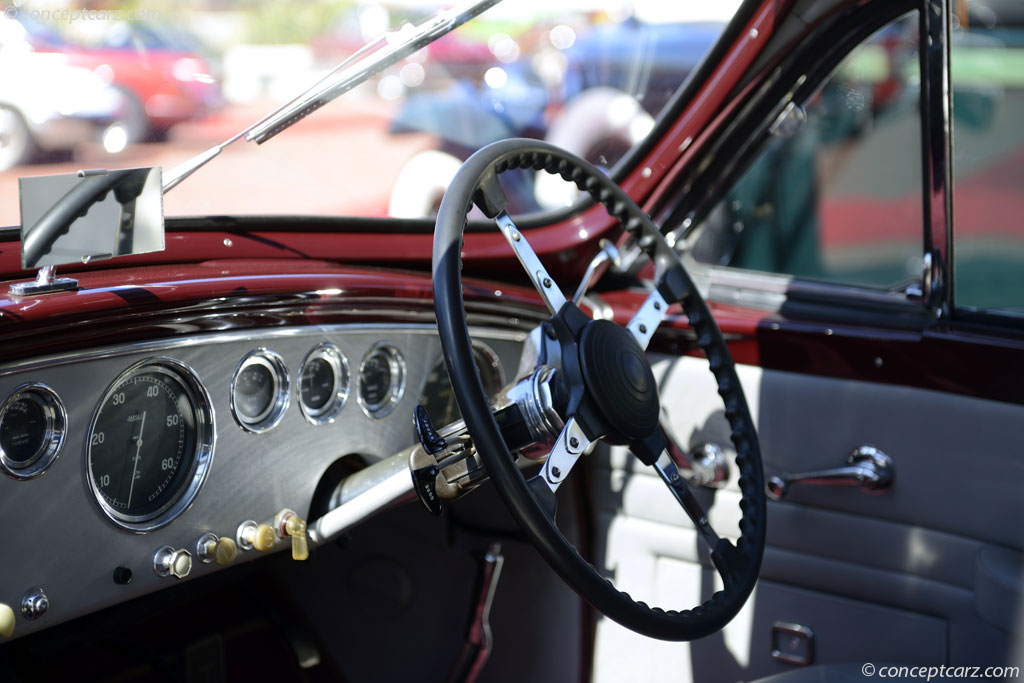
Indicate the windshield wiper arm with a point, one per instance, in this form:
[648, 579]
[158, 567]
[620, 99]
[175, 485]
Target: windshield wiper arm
[399, 45]
[404, 43]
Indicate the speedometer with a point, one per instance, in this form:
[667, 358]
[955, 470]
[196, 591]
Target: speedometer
[150, 444]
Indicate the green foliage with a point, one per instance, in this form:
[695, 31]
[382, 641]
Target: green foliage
[272, 23]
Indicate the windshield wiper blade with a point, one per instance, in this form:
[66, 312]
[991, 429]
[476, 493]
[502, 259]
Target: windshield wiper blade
[342, 78]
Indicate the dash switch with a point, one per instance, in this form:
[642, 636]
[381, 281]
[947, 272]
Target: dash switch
[6, 620]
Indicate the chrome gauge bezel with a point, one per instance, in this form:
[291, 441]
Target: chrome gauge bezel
[53, 436]
[484, 351]
[494, 361]
[399, 375]
[332, 355]
[202, 457]
[272, 416]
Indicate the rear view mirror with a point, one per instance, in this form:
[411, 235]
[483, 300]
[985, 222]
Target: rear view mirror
[91, 215]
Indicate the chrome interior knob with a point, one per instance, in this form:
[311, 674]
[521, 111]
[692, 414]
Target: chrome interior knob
[170, 562]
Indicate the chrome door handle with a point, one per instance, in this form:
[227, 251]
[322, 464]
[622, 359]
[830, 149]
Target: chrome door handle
[705, 465]
[868, 467]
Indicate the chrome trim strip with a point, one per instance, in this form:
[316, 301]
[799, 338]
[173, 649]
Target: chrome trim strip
[936, 142]
[206, 438]
[260, 335]
[722, 278]
[53, 436]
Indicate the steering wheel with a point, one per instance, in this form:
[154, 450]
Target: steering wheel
[611, 391]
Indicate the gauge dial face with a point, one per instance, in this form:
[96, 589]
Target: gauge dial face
[323, 384]
[146, 448]
[316, 386]
[375, 379]
[381, 380]
[438, 397]
[254, 392]
[23, 430]
[32, 429]
[259, 390]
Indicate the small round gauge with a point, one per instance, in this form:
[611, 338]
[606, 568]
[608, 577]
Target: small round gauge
[381, 380]
[259, 390]
[32, 428]
[150, 444]
[438, 397]
[323, 384]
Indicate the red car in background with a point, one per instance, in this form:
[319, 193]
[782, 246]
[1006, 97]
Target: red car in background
[162, 73]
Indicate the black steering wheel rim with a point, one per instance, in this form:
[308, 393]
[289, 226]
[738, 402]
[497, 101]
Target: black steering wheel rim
[476, 181]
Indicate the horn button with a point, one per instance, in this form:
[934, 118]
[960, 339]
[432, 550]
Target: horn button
[619, 380]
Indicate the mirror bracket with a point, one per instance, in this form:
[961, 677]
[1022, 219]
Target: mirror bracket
[45, 283]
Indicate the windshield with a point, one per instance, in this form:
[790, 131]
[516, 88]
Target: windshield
[156, 85]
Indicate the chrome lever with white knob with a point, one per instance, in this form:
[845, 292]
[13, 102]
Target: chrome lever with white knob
[868, 468]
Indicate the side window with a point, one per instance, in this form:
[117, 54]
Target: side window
[840, 199]
[987, 70]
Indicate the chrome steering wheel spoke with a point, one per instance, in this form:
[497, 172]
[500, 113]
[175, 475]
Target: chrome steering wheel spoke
[726, 558]
[647, 319]
[569, 446]
[552, 294]
[669, 474]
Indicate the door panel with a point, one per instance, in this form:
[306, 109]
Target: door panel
[926, 573]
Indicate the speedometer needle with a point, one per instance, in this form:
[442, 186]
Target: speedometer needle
[135, 466]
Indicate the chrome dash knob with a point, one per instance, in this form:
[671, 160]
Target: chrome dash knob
[170, 562]
[34, 604]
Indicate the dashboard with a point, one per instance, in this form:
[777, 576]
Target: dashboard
[131, 467]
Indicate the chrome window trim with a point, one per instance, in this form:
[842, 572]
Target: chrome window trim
[771, 291]
[338, 362]
[206, 438]
[937, 153]
[56, 431]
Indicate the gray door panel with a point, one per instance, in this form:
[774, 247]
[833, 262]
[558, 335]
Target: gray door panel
[929, 572]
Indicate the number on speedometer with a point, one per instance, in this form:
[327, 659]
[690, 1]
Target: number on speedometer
[150, 444]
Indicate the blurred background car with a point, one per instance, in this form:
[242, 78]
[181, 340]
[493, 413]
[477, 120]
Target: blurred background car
[76, 106]
[162, 73]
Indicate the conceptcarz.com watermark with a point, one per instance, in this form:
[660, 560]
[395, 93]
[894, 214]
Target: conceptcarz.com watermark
[70, 15]
[930, 673]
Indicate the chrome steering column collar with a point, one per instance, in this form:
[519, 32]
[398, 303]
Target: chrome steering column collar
[535, 397]
[445, 465]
